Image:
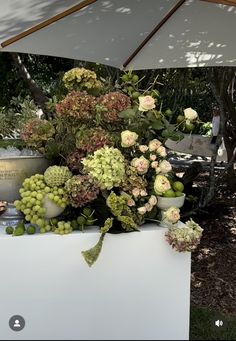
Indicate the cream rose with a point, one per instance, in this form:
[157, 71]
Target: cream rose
[146, 103]
[161, 151]
[153, 157]
[128, 138]
[143, 193]
[141, 164]
[154, 145]
[172, 215]
[136, 192]
[130, 202]
[143, 148]
[154, 164]
[152, 200]
[165, 166]
[142, 210]
[190, 114]
[148, 207]
[161, 184]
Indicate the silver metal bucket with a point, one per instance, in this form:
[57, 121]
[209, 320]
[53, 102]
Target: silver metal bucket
[13, 171]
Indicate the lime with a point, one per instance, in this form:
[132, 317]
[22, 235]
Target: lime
[135, 78]
[136, 95]
[168, 112]
[9, 230]
[169, 194]
[125, 78]
[31, 229]
[178, 186]
[189, 126]
[180, 118]
[178, 194]
[130, 89]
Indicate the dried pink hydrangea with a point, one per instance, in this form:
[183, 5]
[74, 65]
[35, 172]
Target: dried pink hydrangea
[90, 140]
[79, 105]
[113, 103]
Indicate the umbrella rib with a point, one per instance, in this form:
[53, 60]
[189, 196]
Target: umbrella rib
[154, 31]
[48, 22]
[224, 2]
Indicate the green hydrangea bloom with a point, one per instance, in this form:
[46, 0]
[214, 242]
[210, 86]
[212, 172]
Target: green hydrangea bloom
[106, 166]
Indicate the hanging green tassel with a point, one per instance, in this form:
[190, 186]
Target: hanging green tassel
[92, 254]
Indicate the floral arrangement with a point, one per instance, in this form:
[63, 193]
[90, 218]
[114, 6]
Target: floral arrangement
[115, 167]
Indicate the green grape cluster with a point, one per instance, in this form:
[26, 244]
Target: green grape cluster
[33, 192]
[63, 227]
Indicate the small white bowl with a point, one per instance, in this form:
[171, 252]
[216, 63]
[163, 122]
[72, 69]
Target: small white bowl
[164, 202]
[52, 209]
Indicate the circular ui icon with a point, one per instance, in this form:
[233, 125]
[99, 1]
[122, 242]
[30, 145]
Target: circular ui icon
[17, 323]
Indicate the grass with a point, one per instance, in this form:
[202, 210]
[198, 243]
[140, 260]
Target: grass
[202, 326]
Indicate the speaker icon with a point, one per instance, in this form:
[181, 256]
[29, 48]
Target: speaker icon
[219, 323]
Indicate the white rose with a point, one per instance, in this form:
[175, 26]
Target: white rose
[190, 114]
[146, 103]
[165, 166]
[162, 151]
[142, 210]
[128, 138]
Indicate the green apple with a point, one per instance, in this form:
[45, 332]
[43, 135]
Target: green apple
[178, 186]
[169, 194]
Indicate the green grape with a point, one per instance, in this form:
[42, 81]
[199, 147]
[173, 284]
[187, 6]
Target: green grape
[39, 196]
[47, 189]
[48, 228]
[60, 191]
[28, 217]
[42, 230]
[51, 196]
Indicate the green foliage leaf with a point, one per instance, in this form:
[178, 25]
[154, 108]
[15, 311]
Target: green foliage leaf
[127, 114]
[157, 125]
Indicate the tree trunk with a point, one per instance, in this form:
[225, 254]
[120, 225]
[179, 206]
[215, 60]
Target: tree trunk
[223, 85]
[37, 93]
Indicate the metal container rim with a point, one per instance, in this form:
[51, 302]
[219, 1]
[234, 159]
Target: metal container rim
[21, 157]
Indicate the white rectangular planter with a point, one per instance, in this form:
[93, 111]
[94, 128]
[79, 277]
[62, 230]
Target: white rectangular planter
[138, 289]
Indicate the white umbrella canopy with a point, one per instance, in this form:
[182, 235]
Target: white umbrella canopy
[131, 34]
